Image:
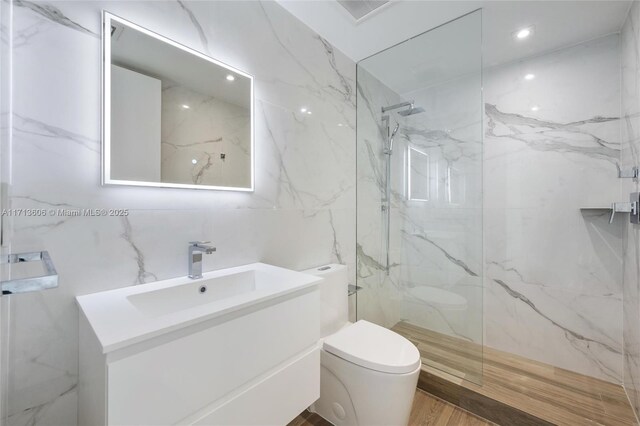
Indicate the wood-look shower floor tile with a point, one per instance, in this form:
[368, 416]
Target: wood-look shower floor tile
[513, 389]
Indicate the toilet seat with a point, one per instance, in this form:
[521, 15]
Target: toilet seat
[374, 347]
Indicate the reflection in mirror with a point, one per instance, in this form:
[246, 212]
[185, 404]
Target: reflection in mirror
[172, 116]
[418, 176]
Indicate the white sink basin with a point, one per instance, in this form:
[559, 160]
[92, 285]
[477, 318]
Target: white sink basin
[132, 314]
[200, 292]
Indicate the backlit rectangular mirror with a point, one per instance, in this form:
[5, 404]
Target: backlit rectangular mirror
[172, 117]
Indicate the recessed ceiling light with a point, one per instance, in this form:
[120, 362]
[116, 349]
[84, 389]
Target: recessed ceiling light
[303, 110]
[535, 108]
[194, 161]
[230, 77]
[340, 124]
[529, 76]
[309, 112]
[523, 33]
[185, 106]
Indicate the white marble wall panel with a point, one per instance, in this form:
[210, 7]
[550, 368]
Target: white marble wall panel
[553, 273]
[302, 213]
[630, 126]
[380, 299]
[566, 118]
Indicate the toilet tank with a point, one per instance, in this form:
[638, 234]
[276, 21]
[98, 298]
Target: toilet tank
[334, 305]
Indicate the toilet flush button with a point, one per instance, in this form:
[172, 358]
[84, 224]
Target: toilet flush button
[339, 411]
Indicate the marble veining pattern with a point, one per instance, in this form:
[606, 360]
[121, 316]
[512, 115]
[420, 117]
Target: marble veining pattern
[196, 25]
[301, 214]
[379, 302]
[29, 126]
[549, 136]
[552, 271]
[54, 14]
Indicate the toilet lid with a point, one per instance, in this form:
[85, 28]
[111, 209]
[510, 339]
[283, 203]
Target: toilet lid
[374, 347]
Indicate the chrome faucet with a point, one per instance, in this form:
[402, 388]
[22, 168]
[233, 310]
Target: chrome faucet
[196, 248]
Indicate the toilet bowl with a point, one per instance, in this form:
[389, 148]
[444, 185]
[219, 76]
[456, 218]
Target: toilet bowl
[368, 374]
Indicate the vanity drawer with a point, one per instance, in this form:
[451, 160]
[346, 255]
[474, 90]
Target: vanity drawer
[170, 382]
[276, 400]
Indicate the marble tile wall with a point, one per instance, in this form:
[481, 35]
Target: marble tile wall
[380, 299]
[553, 272]
[442, 236]
[630, 127]
[302, 213]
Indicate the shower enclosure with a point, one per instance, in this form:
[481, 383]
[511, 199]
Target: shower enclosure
[419, 197]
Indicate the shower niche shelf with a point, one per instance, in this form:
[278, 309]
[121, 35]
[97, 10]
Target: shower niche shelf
[596, 208]
[631, 207]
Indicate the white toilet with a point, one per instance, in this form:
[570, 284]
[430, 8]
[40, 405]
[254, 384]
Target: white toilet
[368, 373]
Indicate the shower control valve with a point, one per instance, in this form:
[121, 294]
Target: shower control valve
[634, 200]
[632, 207]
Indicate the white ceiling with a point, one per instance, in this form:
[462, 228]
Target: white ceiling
[557, 24]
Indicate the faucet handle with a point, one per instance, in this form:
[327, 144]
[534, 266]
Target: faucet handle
[195, 243]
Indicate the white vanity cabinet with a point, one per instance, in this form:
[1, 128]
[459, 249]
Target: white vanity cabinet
[255, 365]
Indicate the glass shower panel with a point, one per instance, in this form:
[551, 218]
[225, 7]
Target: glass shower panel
[419, 198]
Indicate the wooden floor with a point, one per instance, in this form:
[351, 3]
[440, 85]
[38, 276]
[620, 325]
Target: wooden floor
[452, 355]
[427, 410]
[537, 390]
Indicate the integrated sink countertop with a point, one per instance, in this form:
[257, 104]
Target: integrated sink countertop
[129, 315]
